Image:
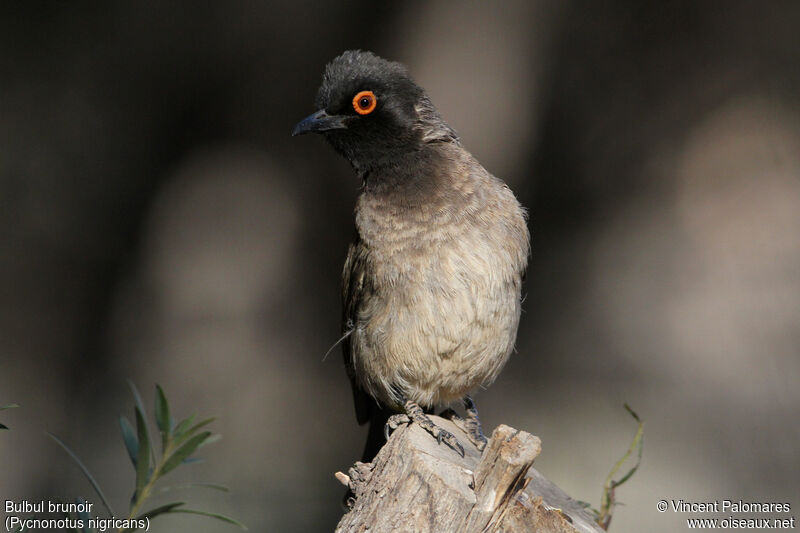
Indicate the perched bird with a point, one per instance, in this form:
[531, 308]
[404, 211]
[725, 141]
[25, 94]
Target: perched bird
[431, 284]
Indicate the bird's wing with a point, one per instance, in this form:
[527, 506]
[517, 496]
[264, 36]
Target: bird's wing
[352, 294]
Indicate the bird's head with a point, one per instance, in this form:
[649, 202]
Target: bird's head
[372, 112]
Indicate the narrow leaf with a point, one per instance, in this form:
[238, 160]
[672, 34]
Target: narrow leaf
[137, 398]
[184, 486]
[86, 473]
[191, 431]
[201, 424]
[143, 457]
[213, 515]
[168, 508]
[211, 440]
[129, 437]
[3, 426]
[155, 512]
[163, 420]
[183, 426]
[184, 451]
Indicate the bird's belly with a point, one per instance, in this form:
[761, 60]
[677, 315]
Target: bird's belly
[444, 324]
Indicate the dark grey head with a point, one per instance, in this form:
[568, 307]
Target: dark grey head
[371, 111]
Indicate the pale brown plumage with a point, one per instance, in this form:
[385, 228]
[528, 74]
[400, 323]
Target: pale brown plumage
[432, 287]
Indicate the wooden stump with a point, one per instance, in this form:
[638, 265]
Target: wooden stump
[415, 484]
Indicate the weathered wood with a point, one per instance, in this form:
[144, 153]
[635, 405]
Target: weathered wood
[417, 485]
[500, 475]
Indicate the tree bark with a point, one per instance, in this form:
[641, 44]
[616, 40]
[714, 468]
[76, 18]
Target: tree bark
[415, 484]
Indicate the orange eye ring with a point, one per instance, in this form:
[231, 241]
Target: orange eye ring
[365, 102]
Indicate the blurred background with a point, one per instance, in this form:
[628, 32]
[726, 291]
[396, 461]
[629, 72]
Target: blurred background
[158, 224]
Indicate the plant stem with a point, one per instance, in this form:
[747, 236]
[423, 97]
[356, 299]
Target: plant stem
[145, 493]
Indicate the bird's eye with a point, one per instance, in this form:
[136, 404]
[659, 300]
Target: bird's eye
[365, 102]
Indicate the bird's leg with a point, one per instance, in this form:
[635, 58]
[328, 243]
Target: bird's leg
[473, 424]
[470, 425]
[414, 413]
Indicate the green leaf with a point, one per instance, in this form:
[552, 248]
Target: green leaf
[131, 443]
[155, 512]
[140, 404]
[200, 424]
[168, 508]
[191, 431]
[211, 440]
[163, 420]
[136, 396]
[183, 426]
[213, 515]
[184, 451]
[86, 473]
[3, 426]
[143, 457]
[184, 486]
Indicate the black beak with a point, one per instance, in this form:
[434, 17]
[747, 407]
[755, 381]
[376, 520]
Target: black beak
[319, 121]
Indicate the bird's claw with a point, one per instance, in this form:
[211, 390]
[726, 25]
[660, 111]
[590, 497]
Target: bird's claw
[394, 422]
[442, 435]
[472, 425]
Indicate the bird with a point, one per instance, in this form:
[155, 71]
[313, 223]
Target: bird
[431, 286]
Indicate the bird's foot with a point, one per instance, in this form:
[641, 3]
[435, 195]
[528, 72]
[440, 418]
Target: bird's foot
[416, 414]
[473, 425]
[394, 422]
[470, 425]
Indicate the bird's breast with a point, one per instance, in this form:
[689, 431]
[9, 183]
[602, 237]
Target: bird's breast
[444, 287]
